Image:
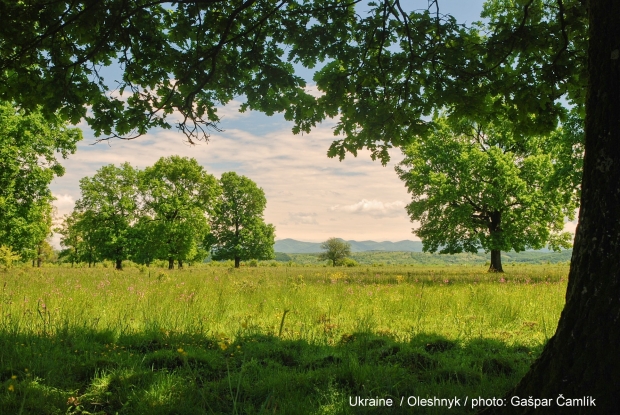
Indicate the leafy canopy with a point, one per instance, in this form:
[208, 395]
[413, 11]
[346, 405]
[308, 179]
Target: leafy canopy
[238, 229]
[30, 147]
[335, 250]
[108, 207]
[477, 186]
[186, 57]
[177, 195]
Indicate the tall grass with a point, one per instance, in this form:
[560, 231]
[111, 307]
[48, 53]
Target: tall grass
[266, 339]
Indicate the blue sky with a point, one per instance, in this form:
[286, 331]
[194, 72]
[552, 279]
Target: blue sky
[310, 197]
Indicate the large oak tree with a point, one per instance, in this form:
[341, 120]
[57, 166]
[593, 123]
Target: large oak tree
[107, 210]
[475, 187]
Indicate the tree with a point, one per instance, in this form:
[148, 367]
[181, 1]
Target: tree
[336, 250]
[532, 54]
[29, 150]
[45, 252]
[107, 210]
[581, 357]
[78, 239]
[178, 195]
[477, 187]
[238, 229]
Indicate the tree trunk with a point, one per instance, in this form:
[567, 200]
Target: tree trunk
[39, 261]
[237, 262]
[582, 359]
[170, 263]
[496, 261]
[119, 264]
[180, 264]
[495, 233]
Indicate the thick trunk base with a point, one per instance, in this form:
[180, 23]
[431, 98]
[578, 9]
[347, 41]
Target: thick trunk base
[582, 359]
[496, 261]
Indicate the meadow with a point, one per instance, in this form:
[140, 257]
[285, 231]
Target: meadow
[268, 339]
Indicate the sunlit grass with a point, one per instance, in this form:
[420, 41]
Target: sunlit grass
[218, 340]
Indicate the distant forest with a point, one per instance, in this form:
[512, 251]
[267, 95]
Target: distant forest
[379, 258]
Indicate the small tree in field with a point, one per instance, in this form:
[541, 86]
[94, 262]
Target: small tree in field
[336, 250]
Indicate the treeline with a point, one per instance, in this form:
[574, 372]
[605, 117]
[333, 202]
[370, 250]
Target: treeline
[173, 211]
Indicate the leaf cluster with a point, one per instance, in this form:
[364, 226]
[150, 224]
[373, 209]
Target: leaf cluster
[174, 57]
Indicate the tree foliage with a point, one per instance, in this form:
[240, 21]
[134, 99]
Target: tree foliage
[392, 68]
[108, 208]
[177, 195]
[30, 147]
[185, 57]
[335, 250]
[238, 229]
[480, 187]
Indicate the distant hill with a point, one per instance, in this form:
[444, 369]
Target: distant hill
[292, 246]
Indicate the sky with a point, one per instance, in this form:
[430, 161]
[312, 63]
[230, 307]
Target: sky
[310, 197]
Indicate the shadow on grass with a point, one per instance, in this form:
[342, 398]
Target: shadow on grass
[82, 371]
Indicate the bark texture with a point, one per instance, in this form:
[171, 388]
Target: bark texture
[496, 261]
[583, 357]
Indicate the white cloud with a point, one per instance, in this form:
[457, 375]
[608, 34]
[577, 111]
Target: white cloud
[231, 111]
[314, 91]
[64, 204]
[300, 182]
[303, 218]
[373, 207]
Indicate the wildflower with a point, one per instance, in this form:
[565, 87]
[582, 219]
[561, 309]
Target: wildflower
[14, 377]
[11, 388]
[73, 401]
[180, 350]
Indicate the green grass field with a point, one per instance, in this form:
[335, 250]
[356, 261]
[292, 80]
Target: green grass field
[265, 340]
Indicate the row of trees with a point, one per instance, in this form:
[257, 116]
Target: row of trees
[173, 210]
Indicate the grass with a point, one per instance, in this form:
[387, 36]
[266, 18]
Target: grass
[298, 340]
